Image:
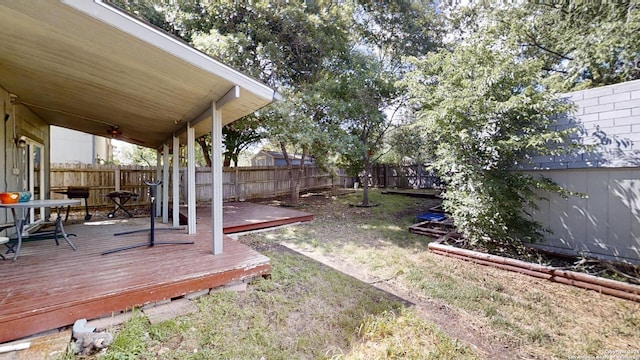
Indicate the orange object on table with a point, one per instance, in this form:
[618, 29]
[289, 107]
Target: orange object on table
[9, 197]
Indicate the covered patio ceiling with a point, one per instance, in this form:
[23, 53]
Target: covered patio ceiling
[87, 66]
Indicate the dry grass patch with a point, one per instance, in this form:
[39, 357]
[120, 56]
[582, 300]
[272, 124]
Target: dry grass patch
[530, 317]
[305, 311]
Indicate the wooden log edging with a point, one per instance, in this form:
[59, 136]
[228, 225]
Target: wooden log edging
[585, 281]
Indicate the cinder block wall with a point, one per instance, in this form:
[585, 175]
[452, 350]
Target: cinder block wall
[606, 222]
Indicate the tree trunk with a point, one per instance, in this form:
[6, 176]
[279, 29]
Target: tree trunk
[300, 175]
[365, 180]
[294, 185]
[205, 150]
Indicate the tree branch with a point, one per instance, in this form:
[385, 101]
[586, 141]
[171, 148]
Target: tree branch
[535, 43]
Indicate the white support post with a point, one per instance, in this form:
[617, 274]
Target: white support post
[165, 183]
[191, 178]
[216, 176]
[158, 175]
[175, 202]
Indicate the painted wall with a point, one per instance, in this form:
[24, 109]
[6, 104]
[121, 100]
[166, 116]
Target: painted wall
[75, 147]
[19, 122]
[272, 158]
[70, 146]
[606, 222]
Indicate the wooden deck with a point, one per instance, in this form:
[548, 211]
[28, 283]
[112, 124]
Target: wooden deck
[51, 286]
[245, 216]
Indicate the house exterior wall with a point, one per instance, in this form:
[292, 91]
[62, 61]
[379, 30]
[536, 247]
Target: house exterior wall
[103, 149]
[262, 159]
[70, 146]
[75, 147]
[605, 222]
[20, 121]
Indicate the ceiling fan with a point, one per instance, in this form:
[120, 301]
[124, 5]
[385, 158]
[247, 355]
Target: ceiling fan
[114, 132]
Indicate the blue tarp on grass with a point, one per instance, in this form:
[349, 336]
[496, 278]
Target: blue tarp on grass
[429, 216]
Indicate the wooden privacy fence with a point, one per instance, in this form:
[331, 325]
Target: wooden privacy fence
[403, 176]
[101, 180]
[244, 183]
[238, 183]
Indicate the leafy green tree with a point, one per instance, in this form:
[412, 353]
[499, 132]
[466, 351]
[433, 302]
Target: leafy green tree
[239, 135]
[406, 143]
[358, 96]
[287, 47]
[367, 93]
[153, 13]
[581, 44]
[393, 30]
[130, 154]
[236, 137]
[487, 112]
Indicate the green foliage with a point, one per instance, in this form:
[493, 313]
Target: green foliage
[130, 154]
[407, 145]
[358, 96]
[588, 44]
[131, 341]
[366, 93]
[580, 44]
[155, 14]
[239, 135]
[487, 112]
[384, 27]
[288, 46]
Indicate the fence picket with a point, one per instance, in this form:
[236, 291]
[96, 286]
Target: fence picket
[238, 183]
[241, 183]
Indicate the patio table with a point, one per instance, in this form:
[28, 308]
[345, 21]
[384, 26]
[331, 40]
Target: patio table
[20, 220]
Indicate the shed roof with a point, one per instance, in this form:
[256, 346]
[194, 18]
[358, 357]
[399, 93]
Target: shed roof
[88, 66]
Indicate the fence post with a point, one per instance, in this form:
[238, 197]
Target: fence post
[236, 189]
[117, 179]
[386, 176]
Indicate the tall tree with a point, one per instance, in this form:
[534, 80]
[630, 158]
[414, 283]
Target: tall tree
[383, 38]
[359, 96]
[287, 47]
[487, 111]
[238, 136]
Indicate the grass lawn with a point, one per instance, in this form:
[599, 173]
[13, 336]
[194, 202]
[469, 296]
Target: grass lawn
[449, 309]
[500, 314]
[305, 311]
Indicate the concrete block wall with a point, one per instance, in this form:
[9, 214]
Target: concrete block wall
[605, 223]
[606, 118]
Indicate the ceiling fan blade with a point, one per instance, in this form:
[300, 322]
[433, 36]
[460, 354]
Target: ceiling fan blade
[117, 134]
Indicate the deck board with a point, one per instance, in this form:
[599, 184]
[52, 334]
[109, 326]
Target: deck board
[244, 216]
[51, 286]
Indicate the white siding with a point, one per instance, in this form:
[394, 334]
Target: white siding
[70, 146]
[606, 223]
